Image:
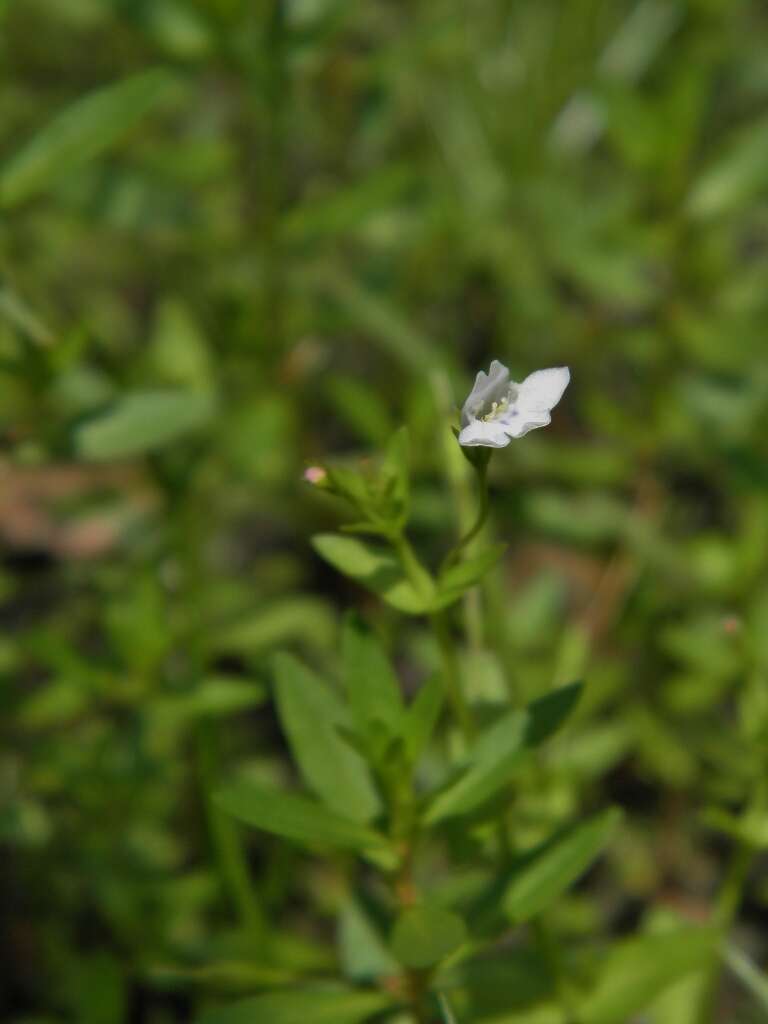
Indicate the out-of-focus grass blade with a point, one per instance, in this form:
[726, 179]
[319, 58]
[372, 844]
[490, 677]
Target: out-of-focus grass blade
[640, 38]
[752, 978]
[79, 133]
[310, 1005]
[17, 312]
[382, 320]
[347, 207]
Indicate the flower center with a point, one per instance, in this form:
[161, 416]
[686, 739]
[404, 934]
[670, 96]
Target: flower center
[500, 407]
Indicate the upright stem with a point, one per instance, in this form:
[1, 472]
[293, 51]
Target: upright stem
[451, 675]
[424, 584]
[226, 840]
[482, 514]
[729, 898]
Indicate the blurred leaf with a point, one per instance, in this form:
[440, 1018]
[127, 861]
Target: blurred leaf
[751, 828]
[282, 621]
[79, 133]
[424, 935]
[488, 768]
[734, 176]
[348, 207]
[422, 715]
[459, 578]
[306, 1006]
[374, 567]
[311, 716]
[634, 972]
[297, 818]
[753, 979]
[215, 696]
[371, 685]
[362, 951]
[382, 320]
[547, 872]
[141, 422]
[178, 351]
[548, 713]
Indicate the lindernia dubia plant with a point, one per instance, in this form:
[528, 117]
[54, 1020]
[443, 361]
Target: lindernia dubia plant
[446, 895]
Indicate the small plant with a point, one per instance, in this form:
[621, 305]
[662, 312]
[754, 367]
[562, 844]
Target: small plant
[417, 796]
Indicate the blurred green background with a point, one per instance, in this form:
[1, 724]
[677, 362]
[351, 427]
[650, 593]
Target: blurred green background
[241, 237]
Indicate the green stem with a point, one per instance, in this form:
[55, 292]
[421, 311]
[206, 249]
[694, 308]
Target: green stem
[482, 514]
[227, 843]
[550, 950]
[425, 586]
[729, 899]
[451, 675]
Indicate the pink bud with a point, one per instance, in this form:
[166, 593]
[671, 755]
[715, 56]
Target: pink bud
[315, 475]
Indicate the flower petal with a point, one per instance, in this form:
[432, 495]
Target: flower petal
[488, 387]
[492, 434]
[540, 392]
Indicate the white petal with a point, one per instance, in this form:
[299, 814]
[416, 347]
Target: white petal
[488, 387]
[520, 425]
[492, 434]
[540, 392]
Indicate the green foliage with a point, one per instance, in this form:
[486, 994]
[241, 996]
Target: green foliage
[79, 133]
[424, 935]
[544, 874]
[315, 1006]
[240, 240]
[295, 817]
[634, 972]
[312, 717]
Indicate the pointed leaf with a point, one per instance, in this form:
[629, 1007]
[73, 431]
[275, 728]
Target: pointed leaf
[459, 578]
[422, 715]
[306, 1006]
[372, 566]
[549, 712]
[297, 818]
[635, 972]
[311, 716]
[142, 421]
[362, 951]
[547, 872]
[424, 935]
[372, 688]
[79, 133]
[490, 764]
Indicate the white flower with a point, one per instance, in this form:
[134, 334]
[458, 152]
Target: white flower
[498, 409]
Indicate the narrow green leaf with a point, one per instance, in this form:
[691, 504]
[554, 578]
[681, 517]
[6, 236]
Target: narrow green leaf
[753, 979]
[297, 818]
[373, 567]
[635, 972]
[142, 421]
[548, 713]
[372, 688]
[305, 1006]
[394, 480]
[79, 133]
[362, 951]
[311, 716]
[489, 766]
[424, 935]
[422, 715]
[382, 320]
[548, 871]
[459, 578]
